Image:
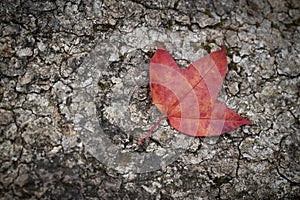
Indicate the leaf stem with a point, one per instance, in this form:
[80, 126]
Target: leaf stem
[151, 130]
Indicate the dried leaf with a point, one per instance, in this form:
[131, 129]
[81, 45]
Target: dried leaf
[188, 97]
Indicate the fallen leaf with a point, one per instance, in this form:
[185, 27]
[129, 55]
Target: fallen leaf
[188, 97]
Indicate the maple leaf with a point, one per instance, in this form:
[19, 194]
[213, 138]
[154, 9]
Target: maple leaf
[188, 97]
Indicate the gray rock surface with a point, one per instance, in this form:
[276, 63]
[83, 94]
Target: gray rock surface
[75, 98]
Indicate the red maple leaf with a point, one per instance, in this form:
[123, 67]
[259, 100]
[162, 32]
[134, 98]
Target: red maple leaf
[188, 97]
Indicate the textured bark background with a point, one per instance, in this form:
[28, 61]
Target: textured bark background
[75, 98]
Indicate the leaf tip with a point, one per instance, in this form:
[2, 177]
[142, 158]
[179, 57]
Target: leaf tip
[248, 122]
[223, 48]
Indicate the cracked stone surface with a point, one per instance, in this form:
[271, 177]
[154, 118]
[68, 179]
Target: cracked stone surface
[75, 98]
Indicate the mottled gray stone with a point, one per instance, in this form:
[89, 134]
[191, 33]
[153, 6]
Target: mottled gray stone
[6, 117]
[205, 20]
[75, 98]
[24, 52]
